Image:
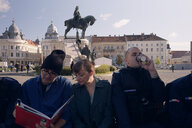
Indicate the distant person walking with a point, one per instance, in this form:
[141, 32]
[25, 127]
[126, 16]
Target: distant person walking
[172, 68]
[71, 67]
[27, 68]
[17, 67]
[21, 67]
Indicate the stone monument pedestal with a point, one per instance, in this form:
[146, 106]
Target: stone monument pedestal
[72, 50]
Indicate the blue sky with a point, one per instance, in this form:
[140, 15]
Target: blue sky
[169, 19]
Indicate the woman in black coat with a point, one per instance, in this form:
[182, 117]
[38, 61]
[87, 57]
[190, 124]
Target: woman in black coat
[91, 106]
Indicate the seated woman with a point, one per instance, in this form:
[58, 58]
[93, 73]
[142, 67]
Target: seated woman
[91, 105]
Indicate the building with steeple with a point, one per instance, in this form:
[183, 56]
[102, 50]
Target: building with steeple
[15, 49]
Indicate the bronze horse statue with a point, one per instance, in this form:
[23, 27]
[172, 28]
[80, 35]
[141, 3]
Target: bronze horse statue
[83, 23]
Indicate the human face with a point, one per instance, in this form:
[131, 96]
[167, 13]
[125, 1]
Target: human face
[83, 77]
[48, 76]
[130, 58]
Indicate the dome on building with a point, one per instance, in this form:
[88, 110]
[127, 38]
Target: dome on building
[13, 31]
[13, 28]
[52, 28]
[37, 41]
[51, 32]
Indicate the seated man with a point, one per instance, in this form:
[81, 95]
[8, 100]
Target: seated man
[10, 91]
[179, 102]
[47, 92]
[137, 92]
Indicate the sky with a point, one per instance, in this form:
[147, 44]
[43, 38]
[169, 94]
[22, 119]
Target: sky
[169, 19]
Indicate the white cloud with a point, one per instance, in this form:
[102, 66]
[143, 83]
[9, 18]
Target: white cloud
[105, 16]
[173, 34]
[4, 6]
[2, 16]
[121, 23]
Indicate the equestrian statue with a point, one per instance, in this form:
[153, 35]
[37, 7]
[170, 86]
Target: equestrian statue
[78, 22]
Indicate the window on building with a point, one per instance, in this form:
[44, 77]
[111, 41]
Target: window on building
[151, 44]
[157, 44]
[157, 49]
[151, 49]
[17, 55]
[162, 57]
[151, 57]
[11, 46]
[99, 48]
[128, 45]
[122, 47]
[161, 44]
[146, 44]
[137, 45]
[47, 47]
[111, 47]
[118, 46]
[108, 47]
[161, 49]
[11, 54]
[105, 47]
[17, 47]
[146, 49]
[141, 44]
[141, 50]
[4, 47]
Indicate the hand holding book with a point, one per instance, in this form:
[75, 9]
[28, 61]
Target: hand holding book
[28, 117]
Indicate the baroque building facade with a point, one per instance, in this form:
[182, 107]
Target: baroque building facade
[15, 49]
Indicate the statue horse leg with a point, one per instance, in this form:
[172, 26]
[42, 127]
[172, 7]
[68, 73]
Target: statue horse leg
[66, 31]
[83, 33]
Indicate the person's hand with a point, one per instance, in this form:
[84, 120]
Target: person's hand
[14, 113]
[41, 126]
[149, 66]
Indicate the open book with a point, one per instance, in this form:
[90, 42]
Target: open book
[27, 116]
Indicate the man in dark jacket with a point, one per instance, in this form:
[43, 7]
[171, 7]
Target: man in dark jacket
[137, 92]
[179, 102]
[10, 90]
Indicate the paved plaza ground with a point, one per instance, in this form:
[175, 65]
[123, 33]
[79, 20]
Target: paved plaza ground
[166, 75]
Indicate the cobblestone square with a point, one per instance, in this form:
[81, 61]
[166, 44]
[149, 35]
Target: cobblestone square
[166, 75]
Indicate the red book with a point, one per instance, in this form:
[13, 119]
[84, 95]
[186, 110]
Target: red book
[27, 116]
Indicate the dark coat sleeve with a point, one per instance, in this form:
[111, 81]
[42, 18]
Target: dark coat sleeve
[119, 102]
[108, 113]
[13, 92]
[158, 90]
[76, 121]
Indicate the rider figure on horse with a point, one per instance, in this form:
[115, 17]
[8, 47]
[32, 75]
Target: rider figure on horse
[76, 15]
